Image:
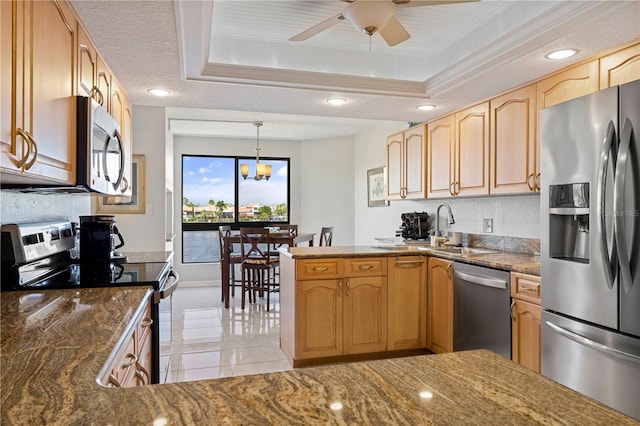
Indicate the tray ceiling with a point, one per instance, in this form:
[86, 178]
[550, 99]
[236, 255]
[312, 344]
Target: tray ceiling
[234, 56]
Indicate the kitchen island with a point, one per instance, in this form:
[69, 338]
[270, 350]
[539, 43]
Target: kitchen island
[54, 343]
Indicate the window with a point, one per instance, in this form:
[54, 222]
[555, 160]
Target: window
[214, 193]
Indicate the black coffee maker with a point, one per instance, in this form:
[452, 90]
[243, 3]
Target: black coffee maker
[97, 239]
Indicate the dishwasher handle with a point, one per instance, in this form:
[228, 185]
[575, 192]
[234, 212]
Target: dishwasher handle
[489, 282]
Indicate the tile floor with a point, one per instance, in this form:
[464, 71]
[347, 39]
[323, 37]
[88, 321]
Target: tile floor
[209, 341]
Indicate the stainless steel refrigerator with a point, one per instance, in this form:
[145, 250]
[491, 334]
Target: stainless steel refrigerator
[590, 245]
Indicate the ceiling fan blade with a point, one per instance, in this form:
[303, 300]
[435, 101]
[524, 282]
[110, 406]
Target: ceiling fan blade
[416, 3]
[310, 32]
[393, 32]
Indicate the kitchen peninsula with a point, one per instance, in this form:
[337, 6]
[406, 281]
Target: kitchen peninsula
[54, 343]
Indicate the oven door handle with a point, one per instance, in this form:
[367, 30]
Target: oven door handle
[167, 291]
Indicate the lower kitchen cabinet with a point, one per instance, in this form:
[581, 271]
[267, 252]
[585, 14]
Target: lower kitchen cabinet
[525, 320]
[340, 316]
[440, 305]
[407, 281]
[132, 365]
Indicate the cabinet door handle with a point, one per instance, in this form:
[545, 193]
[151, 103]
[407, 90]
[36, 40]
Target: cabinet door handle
[124, 184]
[450, 271]
[115, 382]
[365, 267]
[456, 188]
[339, 288]
[97, 95]
[347, 285]
[528, 289]
[320, 268]
[133, 358]
[142, 374]
[451, 190]
[146, 322]
[538, 181]
[513, 305]
[34, 149]
[408, 262]
[25, 136]
[530, 179]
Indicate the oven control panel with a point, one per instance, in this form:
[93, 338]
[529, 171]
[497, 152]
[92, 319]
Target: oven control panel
[33, 241]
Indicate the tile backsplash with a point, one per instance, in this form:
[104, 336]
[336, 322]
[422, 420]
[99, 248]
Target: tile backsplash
[19, 207]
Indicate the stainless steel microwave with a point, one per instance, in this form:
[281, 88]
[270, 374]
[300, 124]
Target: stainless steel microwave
[100, 150]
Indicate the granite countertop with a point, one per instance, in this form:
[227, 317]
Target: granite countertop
[54, 343]
[497, 259]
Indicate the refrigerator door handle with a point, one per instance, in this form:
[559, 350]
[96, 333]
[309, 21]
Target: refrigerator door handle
[593, 344]
[618, 202]
[608, 153]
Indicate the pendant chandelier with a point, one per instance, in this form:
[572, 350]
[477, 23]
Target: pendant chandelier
[262, 170]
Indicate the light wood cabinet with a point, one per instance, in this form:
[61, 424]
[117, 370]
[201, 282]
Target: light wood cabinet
[406, 164]
[38, 146]
[471, 158]
[132, 364]
[120, 109]
[340, 307]
[87, 65]
[440, 157]
[620, 67]
[514, 145]
[569, 84]
[525, 320]
[103, 83]
[458, 153]
[407, 280]
[440, 305]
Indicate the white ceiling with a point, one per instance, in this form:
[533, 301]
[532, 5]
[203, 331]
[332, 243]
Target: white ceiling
[231, 59]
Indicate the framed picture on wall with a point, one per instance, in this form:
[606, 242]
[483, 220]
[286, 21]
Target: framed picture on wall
[376, 189]
[135, 203]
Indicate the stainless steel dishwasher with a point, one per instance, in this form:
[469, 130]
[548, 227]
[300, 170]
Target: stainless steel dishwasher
[481, 309]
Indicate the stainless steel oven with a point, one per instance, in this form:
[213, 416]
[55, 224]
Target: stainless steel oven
[35, 256]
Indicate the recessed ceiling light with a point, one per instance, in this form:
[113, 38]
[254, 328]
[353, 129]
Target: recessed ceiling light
[426, 107]
[561, 54]
[159, 92]
[336, 101]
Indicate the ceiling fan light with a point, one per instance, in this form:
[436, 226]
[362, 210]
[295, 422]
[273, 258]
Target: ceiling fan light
[561, 54]
[369, 16]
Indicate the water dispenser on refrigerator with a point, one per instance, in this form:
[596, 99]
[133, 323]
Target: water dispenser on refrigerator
[569, 222]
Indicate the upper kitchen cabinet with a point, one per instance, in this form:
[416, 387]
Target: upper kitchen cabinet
[471, 158]
[38, 52]
[620, 67]
[120, 109]
[87, 65]
[458, 153]
[513, 142]
[103, 83]
[569, 84]
[440, 152]
[406, 164]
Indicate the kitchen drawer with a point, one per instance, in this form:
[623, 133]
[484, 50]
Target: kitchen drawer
[526, 287]
[365, 267]
[313, 269]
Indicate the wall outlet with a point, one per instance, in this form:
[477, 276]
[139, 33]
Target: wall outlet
[487, 225]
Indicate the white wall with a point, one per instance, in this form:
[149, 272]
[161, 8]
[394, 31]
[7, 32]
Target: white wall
[146, 232]
[232, 147]
[516, 216]
[328, 195]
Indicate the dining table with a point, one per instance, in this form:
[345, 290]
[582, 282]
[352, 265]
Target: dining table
[278, 238]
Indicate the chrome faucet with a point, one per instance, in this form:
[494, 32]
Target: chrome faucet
[450, 219]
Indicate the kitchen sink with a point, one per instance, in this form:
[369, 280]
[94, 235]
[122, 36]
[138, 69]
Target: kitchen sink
[466, 251]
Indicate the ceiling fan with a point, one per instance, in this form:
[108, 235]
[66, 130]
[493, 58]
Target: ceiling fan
[371, 16]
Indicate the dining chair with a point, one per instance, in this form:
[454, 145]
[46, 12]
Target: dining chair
[235, 258]
[257, 264]
[326, 235]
